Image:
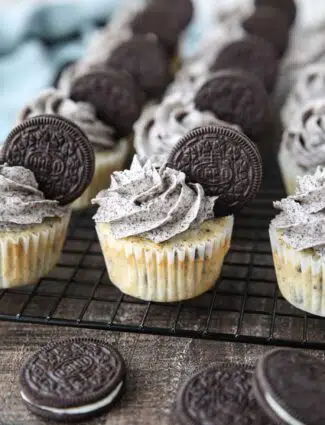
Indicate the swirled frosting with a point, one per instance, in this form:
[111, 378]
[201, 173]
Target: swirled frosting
[302, 216]
[309, 86]
[305, 140]
[160, 127]
[152, 202]
[52, 101]
[21, 202]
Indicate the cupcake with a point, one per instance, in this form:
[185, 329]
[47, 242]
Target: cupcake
[160, 127]
[47, 162]
[165, 227]
[298, 239]
[110, 153]
[302, 147]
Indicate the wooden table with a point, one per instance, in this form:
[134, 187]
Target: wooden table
[156, 368]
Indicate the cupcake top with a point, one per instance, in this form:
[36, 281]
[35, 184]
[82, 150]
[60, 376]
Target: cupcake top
[302, 217]
[21, 202]
[52, 101]
[152, 201]
[160, 127]
[309, 86]
[305, 140]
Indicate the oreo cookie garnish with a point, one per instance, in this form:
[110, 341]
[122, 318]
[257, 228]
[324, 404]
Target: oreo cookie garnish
[224, 161]
[237, 97]
[220, 396]
[57, 151]
[290, 386]
[252, 54]
[114, 94]
[73, 380]
[270, 24]
[144, 58]
[288, 7]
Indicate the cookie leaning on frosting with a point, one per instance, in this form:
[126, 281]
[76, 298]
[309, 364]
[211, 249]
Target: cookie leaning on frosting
[47, 163]
[165, 228]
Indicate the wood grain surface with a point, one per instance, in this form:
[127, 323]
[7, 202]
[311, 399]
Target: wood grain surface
[157, 366]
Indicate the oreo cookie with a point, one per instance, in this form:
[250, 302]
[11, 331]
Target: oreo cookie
[237, 97]
[289, 385]
[117, 99]
[73, 380]
[164, 18]
[271, 25]
[252, 54]
[145, 59]
[220, 396]
[288, 7]
[57, 151]
[224, 161]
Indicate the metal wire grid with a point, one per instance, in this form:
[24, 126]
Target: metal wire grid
[244, 306]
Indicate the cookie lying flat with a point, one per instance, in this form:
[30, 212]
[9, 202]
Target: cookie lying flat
[288, 7]
[290, 386]
[224, 161]
[220, 396]
[73, 380]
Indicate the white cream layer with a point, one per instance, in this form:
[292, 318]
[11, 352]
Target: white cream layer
[285, 416]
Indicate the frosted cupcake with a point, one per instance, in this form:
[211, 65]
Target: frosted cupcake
[302, 147]
[164, 232]
[298, 243]
[160, 127]
[110, 153]
[48, 162]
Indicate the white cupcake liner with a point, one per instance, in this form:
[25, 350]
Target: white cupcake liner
[289, 170]
[165, 274]
[106, 162]
[300, 275]
[29, 255]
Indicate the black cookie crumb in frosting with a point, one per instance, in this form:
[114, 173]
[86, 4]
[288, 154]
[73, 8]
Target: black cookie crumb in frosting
[236, 97]
[224, 161]
[270, 24]
[57, 151]
[288, 7]
[73, 380]
[289, 386]
[164, 18]
[114, 94]
[60, 71]
[251, 54]
[144, 58]
[220, 395]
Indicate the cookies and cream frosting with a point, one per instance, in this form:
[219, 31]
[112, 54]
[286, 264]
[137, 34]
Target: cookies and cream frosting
[152, 201]
[21, 202]
[302, 216]
[52, 101]
[160, 127]
[310, 86]
[305, 140]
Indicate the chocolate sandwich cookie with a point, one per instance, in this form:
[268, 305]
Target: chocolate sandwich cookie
[288, 7]
[164, 18]
[220, 396]
[290, 386]
[224, 161]
[73, 380]
[270, 24]
[115, 95]
[144, 58]
[57, 151]
[252, 54]
[237, 97]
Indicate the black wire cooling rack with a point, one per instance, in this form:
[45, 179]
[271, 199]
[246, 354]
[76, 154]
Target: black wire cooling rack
[244, 306]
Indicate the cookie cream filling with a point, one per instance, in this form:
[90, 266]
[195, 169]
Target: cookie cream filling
[54, 102]
[81, 409]
[153, 202]
[302, 216]
[283, 414]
